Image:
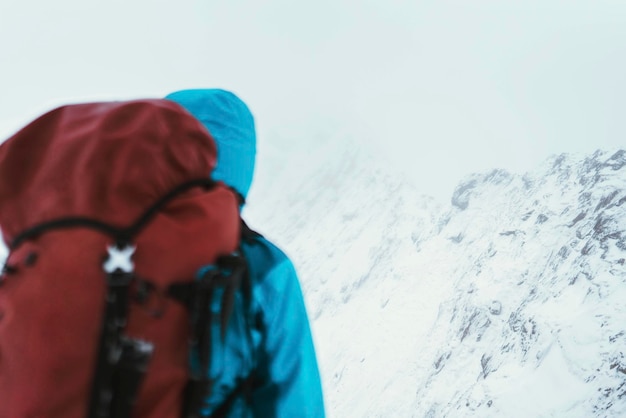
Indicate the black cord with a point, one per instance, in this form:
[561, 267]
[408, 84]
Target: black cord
[120, 234]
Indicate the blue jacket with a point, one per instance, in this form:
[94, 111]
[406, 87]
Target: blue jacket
[267, 343]
[270, 341]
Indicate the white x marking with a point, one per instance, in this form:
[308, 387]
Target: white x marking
[119, 259]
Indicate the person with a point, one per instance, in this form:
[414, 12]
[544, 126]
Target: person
[265, 367]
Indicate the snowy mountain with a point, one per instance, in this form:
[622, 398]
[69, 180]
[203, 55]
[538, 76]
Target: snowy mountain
[507, 303]
[535, 325]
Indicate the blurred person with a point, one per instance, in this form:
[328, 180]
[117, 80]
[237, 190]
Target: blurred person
[265, 366]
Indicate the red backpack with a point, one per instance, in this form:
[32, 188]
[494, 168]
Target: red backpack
[109, 213]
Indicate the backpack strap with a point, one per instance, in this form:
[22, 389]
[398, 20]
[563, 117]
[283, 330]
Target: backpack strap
[248, 234]
[245, 386]
[121, 361]
[232, 274]
[229, 273]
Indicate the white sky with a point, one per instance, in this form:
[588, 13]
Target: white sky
[443, 87]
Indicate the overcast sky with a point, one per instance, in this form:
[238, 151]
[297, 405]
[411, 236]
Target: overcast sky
[442, 87]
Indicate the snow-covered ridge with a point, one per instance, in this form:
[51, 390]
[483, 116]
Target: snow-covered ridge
[339, 215]
[536, 324]
[507, 303]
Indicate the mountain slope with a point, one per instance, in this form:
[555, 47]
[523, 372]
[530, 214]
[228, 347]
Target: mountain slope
[507, 303]
[352, 230]
[536, 323]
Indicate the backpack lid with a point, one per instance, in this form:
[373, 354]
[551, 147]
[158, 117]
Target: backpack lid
[105, 161]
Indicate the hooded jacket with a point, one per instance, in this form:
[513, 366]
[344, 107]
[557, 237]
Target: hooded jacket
[266, 365]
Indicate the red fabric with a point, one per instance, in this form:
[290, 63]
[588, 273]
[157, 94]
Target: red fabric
[107, 161]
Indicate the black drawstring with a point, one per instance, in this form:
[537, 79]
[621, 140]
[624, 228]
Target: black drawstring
[122, 235]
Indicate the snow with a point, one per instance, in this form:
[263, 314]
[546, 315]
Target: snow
[548, 390]
[505, 303]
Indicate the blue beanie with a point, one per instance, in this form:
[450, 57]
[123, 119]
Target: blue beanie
[231, 124]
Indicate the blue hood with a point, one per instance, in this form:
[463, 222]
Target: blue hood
[231, 124]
